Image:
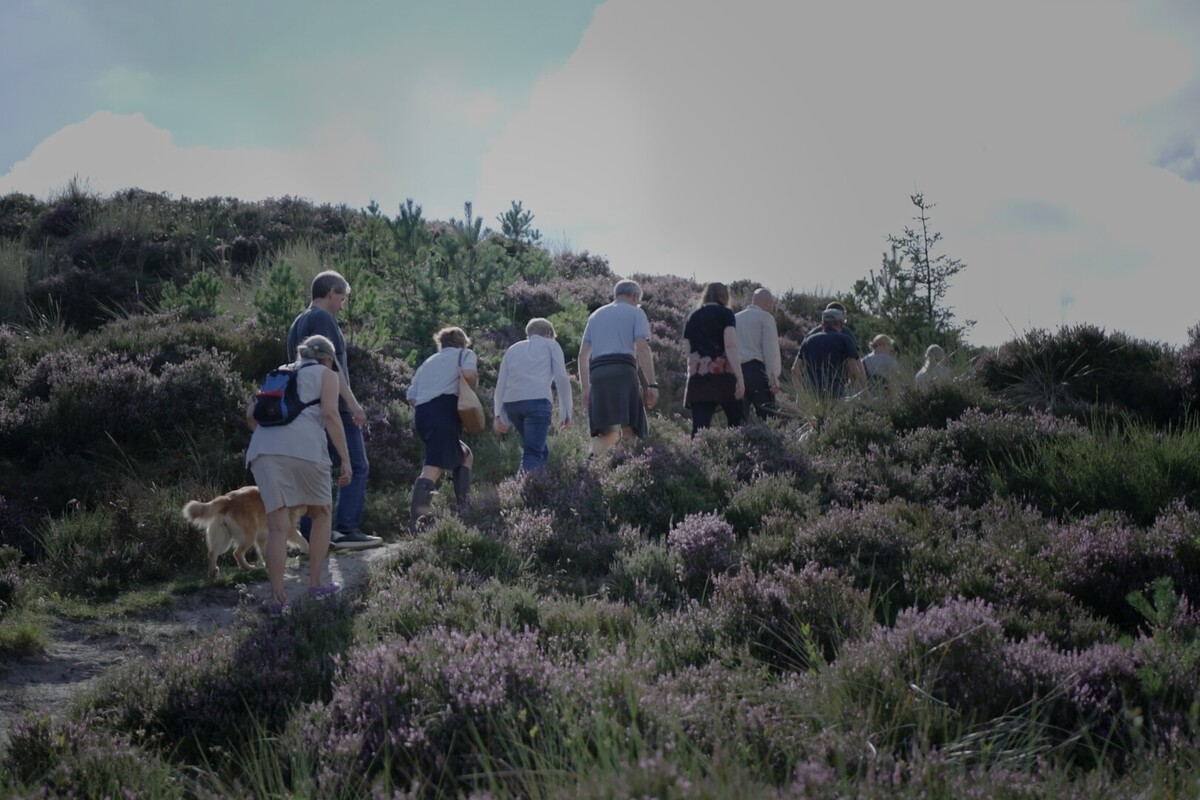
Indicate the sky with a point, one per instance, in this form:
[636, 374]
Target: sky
[780, 142]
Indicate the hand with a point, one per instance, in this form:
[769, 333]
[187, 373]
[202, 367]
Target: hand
[651, 398]
[344, 474]
[357, 415]
[740, 391]
[566, 423]
[500, 426]
[774, 388]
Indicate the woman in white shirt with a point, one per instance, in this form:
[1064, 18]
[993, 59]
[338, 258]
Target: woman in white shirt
[933, 370]
[433, 394]
[522, 398]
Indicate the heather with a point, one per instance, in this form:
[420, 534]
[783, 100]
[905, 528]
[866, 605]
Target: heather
[987, 589]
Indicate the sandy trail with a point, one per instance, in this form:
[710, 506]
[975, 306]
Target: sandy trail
[81, 652]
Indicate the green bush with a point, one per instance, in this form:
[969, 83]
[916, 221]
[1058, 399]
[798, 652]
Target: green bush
[1080, 367]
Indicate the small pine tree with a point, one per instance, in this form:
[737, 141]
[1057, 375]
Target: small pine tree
[279, 301]
[928, 275]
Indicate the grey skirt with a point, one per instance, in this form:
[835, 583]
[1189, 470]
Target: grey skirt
[615, 397]
[287, 482]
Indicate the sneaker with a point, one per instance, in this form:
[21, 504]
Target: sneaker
[354, 540]
[318, 592]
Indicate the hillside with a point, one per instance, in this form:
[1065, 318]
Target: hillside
[986, 588]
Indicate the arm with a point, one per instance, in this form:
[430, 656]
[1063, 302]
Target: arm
[251, 422]
[771, 358]
[333, 423]
[562, 383]
[585, 357]
[357, 414]
[856, 373]
[470, 374]
[797, 368]
[735, 364]
[499, 419]
[645, 361]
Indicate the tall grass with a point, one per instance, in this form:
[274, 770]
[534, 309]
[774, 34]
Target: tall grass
[13, 279]
[1136, 469]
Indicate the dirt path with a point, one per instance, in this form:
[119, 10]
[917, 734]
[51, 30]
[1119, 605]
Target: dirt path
[81, 652]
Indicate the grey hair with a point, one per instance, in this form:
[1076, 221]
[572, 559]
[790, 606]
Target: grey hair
[934, 353]
[882, 338]
[540, 326]
[627, 289]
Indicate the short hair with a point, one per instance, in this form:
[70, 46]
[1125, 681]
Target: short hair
[451, 336]
[715, 293]
[329, 281]
[540, 326]
[627, 289]
[882, 338]
[934, 353]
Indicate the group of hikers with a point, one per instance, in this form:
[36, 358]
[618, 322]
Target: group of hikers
[733, 365]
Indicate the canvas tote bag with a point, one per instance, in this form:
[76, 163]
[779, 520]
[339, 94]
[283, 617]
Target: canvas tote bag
[470, 410]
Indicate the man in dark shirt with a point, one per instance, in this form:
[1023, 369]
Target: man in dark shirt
[329, 293]
[829, 357]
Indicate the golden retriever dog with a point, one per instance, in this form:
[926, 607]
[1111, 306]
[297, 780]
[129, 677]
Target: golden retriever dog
[237, 520]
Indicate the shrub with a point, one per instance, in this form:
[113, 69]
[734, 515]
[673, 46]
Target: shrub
[417, 710]
[571, 493]
[1102, 559]
[135, 538]
[205, 701]
[1138, 472]
[666, 481]
[703, 543]
[645, 573]
[73, 759]
[791, 620]
[770, 496]
[935, 406]
[870, 545]
[929, 678]
[455, 545]
[1080, 366]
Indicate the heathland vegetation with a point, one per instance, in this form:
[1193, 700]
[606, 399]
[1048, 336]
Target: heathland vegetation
[986, 589]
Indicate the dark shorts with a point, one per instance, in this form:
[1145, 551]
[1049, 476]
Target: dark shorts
[615, 396]
[440, 428]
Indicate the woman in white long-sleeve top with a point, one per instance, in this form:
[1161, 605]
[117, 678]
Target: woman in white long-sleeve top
[523, 397]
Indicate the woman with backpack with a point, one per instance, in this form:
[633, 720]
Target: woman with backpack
[289, 456]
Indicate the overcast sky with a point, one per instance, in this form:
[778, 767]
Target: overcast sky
[1060, 139]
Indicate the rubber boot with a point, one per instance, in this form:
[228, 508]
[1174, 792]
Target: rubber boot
[422, 499]
[462, 486]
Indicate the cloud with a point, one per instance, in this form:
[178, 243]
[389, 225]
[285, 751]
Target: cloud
[781, 142]
[115, 151]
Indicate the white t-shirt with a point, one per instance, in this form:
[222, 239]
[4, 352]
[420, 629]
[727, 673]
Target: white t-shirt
[439, 374]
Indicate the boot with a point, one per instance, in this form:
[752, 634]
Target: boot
[422, 499]
[462, 486]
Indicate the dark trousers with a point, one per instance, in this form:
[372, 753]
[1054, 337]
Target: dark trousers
[702, 414]
[758, 390]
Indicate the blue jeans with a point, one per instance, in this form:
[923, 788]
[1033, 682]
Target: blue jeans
[531, 418]
[348, 501]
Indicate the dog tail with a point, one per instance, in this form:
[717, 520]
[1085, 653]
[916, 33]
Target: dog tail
[199, 513]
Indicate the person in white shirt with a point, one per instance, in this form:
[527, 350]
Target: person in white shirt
[758, 349]
[523, 397]
[933, 370]
[433, 394]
